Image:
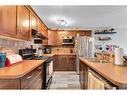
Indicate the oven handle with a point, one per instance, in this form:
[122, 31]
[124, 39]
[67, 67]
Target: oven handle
[49, 82]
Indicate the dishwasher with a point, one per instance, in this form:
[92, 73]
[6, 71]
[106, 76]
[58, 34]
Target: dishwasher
[95, 81]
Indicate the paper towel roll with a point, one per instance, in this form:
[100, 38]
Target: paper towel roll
[119, 56]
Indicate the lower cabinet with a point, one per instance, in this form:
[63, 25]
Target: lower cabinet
[64, 63]
[32, 80]
[83, 73]
[89, 79]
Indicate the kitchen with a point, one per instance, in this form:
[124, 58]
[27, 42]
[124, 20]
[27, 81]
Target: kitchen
[42, 49]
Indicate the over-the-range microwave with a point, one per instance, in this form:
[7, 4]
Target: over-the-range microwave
[68, 40]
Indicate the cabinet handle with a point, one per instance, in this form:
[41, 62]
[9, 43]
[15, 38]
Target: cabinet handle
[29, 77]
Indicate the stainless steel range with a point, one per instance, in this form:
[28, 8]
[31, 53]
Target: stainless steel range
[47, 72]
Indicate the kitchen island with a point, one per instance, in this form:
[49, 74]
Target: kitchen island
[24, 75]
[115, 75]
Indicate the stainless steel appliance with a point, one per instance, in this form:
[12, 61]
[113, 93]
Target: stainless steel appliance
[37, 37]
[47, 65]
[68, 40]
[84, 47]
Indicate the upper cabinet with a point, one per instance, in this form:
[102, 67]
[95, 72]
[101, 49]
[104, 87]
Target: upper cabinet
[8, 21]
[55, 36]
[51, 36]
[18, 21]
[33, 21]
[84, 32]
[23, 22]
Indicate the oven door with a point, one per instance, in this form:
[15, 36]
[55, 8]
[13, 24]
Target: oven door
[49, 72]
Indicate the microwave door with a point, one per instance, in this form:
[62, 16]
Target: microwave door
[68, 41]
[37, 41]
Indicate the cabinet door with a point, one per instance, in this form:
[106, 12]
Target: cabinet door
[45, 33]
[55, 63]
[63, 66]
[72, 62]
[8, 21]
[23, 22]
[58, 39]
[33, 21]
[60, 63]
[84, 32]
[51, 37]
[39, 25]
[82, 76]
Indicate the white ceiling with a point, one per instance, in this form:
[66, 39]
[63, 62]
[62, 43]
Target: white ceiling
[83, 17]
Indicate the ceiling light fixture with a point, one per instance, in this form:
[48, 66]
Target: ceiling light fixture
[62, 22]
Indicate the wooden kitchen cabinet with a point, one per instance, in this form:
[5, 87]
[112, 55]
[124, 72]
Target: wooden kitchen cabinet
[45, 33]
[33, 21]
[83, 75]
[71, 60]
[60, 34]
[32, 80]
[51, 37]
[8, 21]
[84, 32]
[65, 63]
[23, 22]
[59, 63]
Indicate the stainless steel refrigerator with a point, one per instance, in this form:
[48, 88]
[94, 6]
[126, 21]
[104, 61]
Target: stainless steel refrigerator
[84, 47]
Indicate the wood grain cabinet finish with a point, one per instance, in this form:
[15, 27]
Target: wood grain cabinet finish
[84, 32]
[23, 22]
[60, 34]
[45, 33]
[55, 36]
[33, 21]
[51, 36]
[32, 80]
[83, 75]
[8, 20]
[64, 63]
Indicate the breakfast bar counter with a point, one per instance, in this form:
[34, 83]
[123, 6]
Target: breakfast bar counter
[113, 73]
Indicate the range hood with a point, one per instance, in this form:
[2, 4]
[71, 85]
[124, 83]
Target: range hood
[37, 34]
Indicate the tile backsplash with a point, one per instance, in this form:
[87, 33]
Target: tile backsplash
[15, 45]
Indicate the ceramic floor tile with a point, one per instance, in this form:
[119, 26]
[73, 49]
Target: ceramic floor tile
[65, 80]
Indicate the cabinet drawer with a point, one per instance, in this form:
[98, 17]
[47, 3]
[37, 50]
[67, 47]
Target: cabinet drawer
[36, 83]
[27, 79]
